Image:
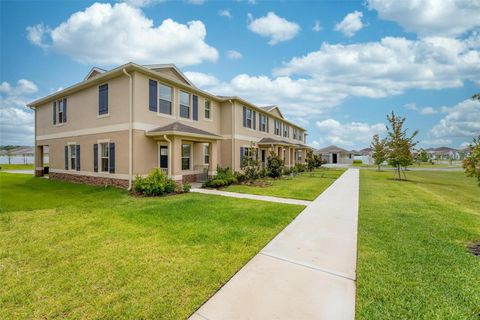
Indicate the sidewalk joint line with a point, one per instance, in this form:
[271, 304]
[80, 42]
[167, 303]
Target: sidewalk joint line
[308, 266]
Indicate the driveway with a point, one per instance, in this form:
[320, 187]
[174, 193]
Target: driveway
[306, 272]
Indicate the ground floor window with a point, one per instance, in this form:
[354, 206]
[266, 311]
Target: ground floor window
[206, 154]
[104, 156]
[73, 157]
[185, 156]
[299, 155]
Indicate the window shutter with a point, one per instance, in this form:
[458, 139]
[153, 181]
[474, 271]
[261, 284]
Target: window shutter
[195, 107]
[241, 157]
[64, 110]
[254, 120]
[244, 116]
[95, 157]
[103, 99]
[77, 153]
[66, 157]
[112, 157]
[268, 126]
[54, 112]
[153, 94]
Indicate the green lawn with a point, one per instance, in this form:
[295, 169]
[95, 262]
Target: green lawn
[307, 186]
[75, 251]
[16, 167]
[413, 262]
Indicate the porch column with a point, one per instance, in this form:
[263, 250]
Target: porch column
[39, 161]
[176, 160]
[213, 158]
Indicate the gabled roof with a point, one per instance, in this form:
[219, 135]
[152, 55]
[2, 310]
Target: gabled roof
[333, 148]
[166, 66]
[177, 128]
[272, 109]
[95, 71]
[442, 149]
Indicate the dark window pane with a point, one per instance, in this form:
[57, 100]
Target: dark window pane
[165, 107]
[105, 164]
[185, 163]
[184, 98]
[184, 111]
[165, 92]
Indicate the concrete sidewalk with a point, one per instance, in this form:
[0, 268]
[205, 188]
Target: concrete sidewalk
[306, 272]
[251, 196]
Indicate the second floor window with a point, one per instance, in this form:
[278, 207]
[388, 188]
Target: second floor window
[103, 99]
[184, 105]
[285, 130]
[165, 99]
[60, 111]
[249, 118]
[294, 133]
[263, 125]
[278, 131]
[207, 109]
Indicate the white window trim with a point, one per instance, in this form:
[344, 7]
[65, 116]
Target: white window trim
[251, 118]
[57, 110]
[98, 97]
[172, 113]
[204, 154]
[69, 144]
[191, 156]
[204, 109]
[99, 142]
[190, 105]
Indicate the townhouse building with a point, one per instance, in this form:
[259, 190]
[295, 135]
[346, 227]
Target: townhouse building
[124, 122]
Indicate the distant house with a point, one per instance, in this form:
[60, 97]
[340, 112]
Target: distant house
[444, 153]
[334, 154]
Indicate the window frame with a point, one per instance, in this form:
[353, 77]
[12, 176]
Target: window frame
[262, 126]
[248, 117]
[286, 130]
[160, 98]
[189, 157]
[72, 156]
[99, 114]
[59, 114]
[101, 156]
[206, 153]
[278, 128]
[209, 110]
[182, 105]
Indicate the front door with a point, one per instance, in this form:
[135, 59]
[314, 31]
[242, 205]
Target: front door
[264, 157]
[334, 158]
[163, 157]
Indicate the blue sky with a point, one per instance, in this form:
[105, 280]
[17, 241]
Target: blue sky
[336, 67]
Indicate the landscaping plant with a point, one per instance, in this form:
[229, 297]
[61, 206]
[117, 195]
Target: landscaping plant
[155, 184]
[471, 163]
[311, 161]
[399, 144]
[250, 164]
[379, 149]
[275, 165]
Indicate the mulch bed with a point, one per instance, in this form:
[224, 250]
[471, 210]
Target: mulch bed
[474, 248]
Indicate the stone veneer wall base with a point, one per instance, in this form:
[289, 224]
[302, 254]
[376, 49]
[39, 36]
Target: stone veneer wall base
[98, 181]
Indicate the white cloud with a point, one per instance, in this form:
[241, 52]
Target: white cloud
[225, 13]
[314, 144]
[390, 66]
[234, 55]
[430, 17]
[461, 121]
[410, 106]
[105, 34]
[351, 24]
[16, 121]
[347, 135]
[141, 3]
[276, 28]
[317, 27]
[428, 111]
[202, 80]
[436, 142]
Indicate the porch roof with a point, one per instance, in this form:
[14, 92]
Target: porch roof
[269, 141]
[177, 128]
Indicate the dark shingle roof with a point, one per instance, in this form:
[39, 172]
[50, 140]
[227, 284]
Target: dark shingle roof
[178, 127]
[332, 148]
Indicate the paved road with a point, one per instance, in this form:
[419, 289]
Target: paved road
[306, 272]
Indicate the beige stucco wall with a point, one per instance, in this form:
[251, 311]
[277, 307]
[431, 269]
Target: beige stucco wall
[82, 109]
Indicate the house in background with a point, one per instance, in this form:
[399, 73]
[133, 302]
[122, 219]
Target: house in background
[126, 121]
[335, 155]
[444, 154]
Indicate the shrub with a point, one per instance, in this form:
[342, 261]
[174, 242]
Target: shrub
[224, 177]
[275, 165]
[155, 184]
[357, 161]
[250, 164]
[287, 171]
[186, 187]
[300, 167]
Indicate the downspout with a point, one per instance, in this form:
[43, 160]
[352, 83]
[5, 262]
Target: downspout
[130, 130]
[233, 135]
[169, 155]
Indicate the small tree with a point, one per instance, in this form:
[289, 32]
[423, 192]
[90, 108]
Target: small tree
[471, 163]
[379, 150]
[423, 155]
[250, 164]
[275, 165]
[399, 144]
[311, 160]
